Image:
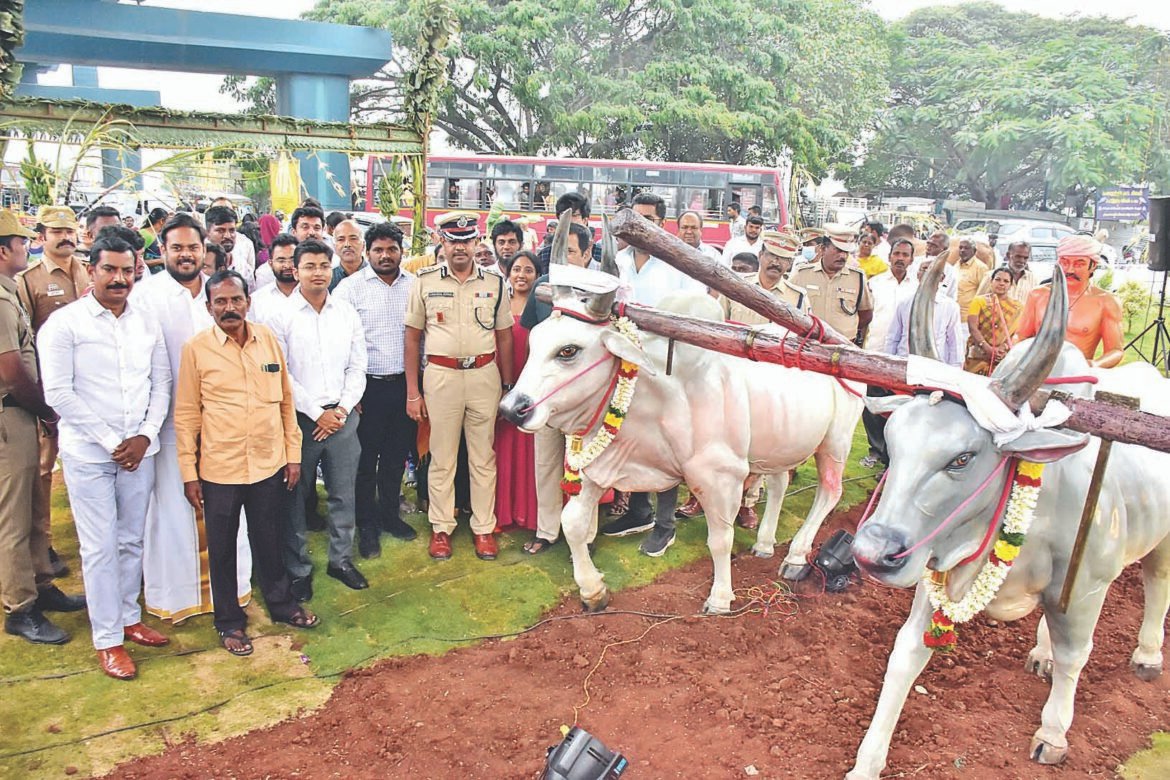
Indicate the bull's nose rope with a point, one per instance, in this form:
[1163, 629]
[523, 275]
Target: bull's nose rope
[966, 502]
[600, 361]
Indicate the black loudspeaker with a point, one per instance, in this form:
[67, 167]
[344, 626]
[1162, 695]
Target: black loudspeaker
[1159, 251]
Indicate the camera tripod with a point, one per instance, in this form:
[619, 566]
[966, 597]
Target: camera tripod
[1159, 356]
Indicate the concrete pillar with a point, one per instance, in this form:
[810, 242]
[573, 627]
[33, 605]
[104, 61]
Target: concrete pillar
[325, 98]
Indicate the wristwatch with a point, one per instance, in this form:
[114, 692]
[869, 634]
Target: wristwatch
[508, 388]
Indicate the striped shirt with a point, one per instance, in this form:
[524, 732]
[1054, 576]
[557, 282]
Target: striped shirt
[382, 309]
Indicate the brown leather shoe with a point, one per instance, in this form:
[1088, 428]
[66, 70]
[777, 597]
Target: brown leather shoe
[117, 663]
[692, 508]
[440, 548]
[485, 547]
[142, 634]
[747, 518]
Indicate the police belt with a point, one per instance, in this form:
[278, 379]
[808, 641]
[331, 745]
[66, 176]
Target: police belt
[479, 361]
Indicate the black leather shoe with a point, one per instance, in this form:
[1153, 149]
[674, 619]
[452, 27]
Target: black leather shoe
[368, 544]
[60, 569]
[302, 588]
[348, 575]
[399, 529]
[51, 599]
[35, 627]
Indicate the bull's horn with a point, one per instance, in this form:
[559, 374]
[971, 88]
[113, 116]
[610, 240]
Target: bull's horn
[1035, 366]
[608, 249]
[560, 245]
[921, 336]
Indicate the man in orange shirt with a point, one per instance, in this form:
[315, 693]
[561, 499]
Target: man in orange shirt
[1094, 315]
[239, 445]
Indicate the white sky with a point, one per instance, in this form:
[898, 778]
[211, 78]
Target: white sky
[199, 92]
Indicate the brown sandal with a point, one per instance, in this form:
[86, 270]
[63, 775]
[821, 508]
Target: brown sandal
[302, 618]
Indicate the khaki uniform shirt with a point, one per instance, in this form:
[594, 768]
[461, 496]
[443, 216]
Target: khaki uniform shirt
[733, 311]
[235, 420]
[459, 319]
[16, 334]
[835, 299]
[44, 287]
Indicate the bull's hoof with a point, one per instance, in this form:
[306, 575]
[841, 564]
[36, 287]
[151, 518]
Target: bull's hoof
[1045, 753]
[794, 572]
[763, 550]
[1147, 672]
[1039, 664]
[857, 774]
[596, 604]
[710, 608]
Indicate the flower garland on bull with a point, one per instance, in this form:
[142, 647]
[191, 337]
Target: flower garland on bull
[579, 455]
[1018, 515]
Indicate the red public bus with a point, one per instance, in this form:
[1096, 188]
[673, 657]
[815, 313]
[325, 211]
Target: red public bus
[529, 187]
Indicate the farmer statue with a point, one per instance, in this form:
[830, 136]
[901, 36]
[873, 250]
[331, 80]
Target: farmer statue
[1094, 316]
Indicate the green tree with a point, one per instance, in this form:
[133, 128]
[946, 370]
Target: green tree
[1002, 106]
[744, 81]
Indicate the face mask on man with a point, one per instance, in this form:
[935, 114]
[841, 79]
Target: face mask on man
[808, 253]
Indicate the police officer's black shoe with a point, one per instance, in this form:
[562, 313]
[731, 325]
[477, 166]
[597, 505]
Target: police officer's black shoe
[399, 529]
[35, 627]
[51, 599]
[302, 588]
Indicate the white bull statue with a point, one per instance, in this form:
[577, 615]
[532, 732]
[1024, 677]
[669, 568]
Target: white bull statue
[940, 457]
[711, 422]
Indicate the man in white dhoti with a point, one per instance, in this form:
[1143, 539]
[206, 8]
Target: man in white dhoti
[175, 570]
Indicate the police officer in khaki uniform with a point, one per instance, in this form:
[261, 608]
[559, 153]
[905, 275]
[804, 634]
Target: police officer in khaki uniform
[25, 573]
[461, 309]
[776, 257]
[837, 293]
[57, 279]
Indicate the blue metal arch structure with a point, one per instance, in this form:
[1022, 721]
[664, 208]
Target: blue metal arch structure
[312, 62]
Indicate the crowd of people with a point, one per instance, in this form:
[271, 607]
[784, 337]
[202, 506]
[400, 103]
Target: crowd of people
[198, 375]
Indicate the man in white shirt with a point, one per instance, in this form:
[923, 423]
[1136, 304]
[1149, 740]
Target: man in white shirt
[271, 298]
[175, 568]
[379, 293]
[221, 230]
[937, 246]
[323, 342]
[947, 342]
[690, 230]
[881, 246]
[750, 241]
[736, 222]
[889, 290]
[106, 373]
[650, 280]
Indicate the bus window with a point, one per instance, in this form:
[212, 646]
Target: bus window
[747, 195]
[708, 202]
[512, 194]
[668, 194]
[771, 205]
[464, 193]
[436, 187]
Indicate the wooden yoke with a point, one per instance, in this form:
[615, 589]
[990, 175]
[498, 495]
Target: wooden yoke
[1089, 415]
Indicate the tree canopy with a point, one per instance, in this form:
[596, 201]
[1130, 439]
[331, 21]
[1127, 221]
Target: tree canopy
[1014, 108]
[744, 81]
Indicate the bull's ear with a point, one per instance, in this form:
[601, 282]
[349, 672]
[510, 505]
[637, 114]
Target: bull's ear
[1046, 445]
[886, 404]
[619, 345]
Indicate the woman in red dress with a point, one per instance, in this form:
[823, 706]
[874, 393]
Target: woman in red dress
[515, 452]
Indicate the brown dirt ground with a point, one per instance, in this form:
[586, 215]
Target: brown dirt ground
[790, 693]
